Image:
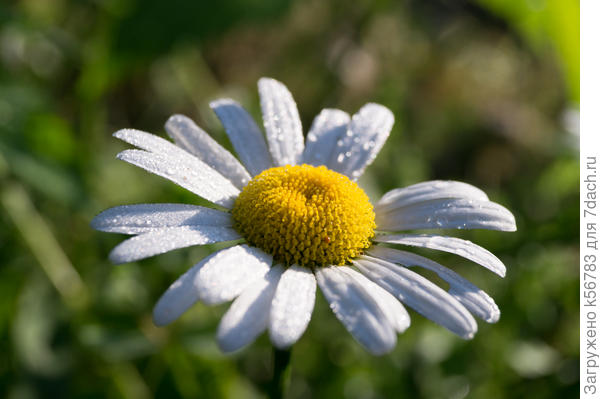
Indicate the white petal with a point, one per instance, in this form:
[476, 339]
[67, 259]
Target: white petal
[457, 246]
[282, 122]
[448, 214]
[150, 142]
[143, 218]
[188, 172]
[244, 134]
[168, 239]
[321, 140]
[229, 272]
[420, 294]
[180, 296]
[356, 308]
[390, 305]
[174, 155]
[426, 191]
[193, 139]
[366, 134]
[292, 306]
[184, 292]
[472, 297]
[248, 316]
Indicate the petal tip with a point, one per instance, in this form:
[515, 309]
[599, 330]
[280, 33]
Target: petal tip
[469, 333]
[405, 325]
[380, 108]
[123, 155]
[280, 341]
[97, 222]
[166, 312]
[468, 336]
[381, 351]
[501, 272]
[221, 102]
[117, 258]
[494, 315]
[227, 343]
[266, 84]
[265, 80]
[121, 134]
[160, 318]
[176, 119]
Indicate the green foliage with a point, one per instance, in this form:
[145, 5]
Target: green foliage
[547, 23]
[483, 92]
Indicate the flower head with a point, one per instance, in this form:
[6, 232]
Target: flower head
[305, 222]
[305, 215]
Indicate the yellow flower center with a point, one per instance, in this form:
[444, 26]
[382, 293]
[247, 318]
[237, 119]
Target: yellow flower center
[305, 215]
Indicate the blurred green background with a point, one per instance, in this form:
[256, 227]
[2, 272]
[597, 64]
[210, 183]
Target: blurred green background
[484, 91]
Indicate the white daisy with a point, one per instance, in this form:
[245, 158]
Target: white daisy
[305, 223]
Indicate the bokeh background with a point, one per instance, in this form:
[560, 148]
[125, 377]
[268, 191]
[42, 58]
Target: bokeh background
[484, 91]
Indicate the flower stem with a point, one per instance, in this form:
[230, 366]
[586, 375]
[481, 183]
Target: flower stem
[281, 373]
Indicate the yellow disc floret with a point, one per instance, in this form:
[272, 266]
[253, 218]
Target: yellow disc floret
[305, 215]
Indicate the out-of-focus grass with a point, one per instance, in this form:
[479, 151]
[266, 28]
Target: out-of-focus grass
[483, 92]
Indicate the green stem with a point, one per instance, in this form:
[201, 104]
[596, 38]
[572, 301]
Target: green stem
[281, 373]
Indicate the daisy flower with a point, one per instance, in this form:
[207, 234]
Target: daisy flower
[299, 220]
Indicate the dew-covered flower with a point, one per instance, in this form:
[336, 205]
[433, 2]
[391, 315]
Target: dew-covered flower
[299, 220]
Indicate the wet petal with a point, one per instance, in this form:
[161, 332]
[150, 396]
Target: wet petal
[248, 316]
[420, 294]
[229, 272]
[282, 122]
[389, 305]
[356, 308]
[472, 297]
[457, 246]
[292, 306]
[143, 218]
[244, 134]
[327, 128]
[196, 141]
[168, 239]
[150, 142]
[188, 172]
[448, 214]
[180, 296]
[366, 134]
[427, 191]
